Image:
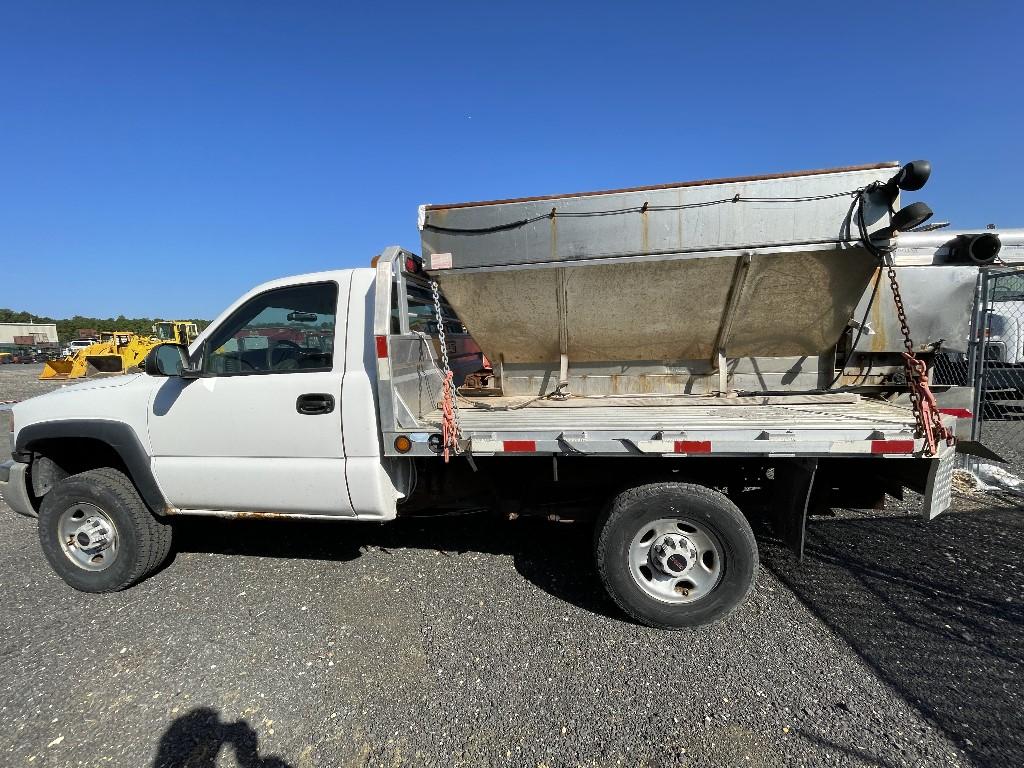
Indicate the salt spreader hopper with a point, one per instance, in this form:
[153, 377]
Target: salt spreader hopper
[696, 287]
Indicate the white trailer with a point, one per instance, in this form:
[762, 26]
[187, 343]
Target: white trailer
[360, 394]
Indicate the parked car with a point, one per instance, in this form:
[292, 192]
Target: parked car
[75, 345]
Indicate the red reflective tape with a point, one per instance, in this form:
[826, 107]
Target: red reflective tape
[960, 413]
[519, 446]
[382, 346]
[692, 446]
[892, 446]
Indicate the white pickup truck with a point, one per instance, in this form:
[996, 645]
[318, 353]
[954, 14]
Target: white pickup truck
[1004, 330]
[323, 396]
[277, 410]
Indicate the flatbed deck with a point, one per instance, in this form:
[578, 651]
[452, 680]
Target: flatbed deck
[821, 425]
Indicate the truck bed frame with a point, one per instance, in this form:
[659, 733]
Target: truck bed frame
[820, 425]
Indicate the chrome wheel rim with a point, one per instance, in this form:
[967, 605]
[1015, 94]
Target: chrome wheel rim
[675, 560]
[88, 537]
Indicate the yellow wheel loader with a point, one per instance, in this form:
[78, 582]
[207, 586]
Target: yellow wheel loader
[178, 331]
[117, 352]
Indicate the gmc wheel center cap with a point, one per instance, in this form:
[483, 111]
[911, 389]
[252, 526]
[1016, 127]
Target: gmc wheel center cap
[673, 554]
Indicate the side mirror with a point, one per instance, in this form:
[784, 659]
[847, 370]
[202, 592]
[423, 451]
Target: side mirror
[170, 360]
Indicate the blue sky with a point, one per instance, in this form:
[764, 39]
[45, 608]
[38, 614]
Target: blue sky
[162, 158]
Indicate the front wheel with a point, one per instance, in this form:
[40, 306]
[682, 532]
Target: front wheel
[674, 555]
[97, 533]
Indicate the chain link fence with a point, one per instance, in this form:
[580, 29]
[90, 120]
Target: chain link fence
[952, 369]
[998, 365]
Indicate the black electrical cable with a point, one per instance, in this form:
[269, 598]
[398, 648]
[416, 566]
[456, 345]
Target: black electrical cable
[879, 253]
[486, 230]
[796, 392]
[860, 330]
[555, 214]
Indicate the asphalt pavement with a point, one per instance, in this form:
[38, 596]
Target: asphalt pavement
[469, 641]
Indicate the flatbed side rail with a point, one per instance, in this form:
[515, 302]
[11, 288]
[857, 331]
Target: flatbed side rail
[821, 443]
[837, 430]
[680, 446]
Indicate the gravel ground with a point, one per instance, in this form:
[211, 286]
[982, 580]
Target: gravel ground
[19, 382]
[474, 642]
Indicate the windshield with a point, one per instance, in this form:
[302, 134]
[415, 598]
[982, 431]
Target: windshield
[1008, 288]
[164, 331]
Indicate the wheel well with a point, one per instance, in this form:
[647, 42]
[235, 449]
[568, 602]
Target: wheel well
[55, 459]
[64, 447]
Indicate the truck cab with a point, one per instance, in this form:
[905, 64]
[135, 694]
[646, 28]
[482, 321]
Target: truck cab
[267, 424]
[1005, 331]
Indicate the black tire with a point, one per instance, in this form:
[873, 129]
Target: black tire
[143, 541]
[634, 509]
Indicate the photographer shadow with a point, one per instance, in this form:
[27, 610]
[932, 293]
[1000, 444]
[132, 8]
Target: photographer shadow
[195, 739]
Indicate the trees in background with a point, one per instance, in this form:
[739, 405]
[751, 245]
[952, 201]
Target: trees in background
[68, 328]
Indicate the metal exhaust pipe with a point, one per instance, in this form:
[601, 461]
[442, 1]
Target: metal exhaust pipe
[983, 248]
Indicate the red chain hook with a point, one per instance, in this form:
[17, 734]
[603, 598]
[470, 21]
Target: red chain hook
[930, 419]
[449, 430]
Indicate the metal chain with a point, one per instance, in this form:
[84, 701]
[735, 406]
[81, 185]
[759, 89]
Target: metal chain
[926, 412]
[450, 407]
[901, 315]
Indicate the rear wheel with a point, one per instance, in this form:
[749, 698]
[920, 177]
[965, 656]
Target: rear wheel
[97, 533]
[675, 555]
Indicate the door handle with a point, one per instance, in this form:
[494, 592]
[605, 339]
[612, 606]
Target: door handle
[314, 404]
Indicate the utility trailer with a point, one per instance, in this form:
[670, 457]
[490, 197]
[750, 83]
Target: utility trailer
[646, 376]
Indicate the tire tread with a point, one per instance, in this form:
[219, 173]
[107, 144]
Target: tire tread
[605, 530]
[154, 536]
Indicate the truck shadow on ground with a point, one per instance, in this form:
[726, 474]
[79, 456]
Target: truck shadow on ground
[195, 739]
[936, 609]
[556, 557]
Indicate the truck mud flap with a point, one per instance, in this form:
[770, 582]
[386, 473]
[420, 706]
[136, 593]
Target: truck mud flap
[938, 490]
[930, 476]
[974, 448]
[791, 501]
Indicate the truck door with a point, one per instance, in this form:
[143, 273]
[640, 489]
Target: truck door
[261, 430]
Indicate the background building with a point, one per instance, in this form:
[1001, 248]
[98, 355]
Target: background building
[17, 335]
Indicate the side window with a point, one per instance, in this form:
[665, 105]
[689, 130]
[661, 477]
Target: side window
[422, 315]
[280, 331]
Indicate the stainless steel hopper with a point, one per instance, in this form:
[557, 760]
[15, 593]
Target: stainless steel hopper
[691, 287]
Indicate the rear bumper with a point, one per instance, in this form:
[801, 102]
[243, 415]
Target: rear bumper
[14, 487]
